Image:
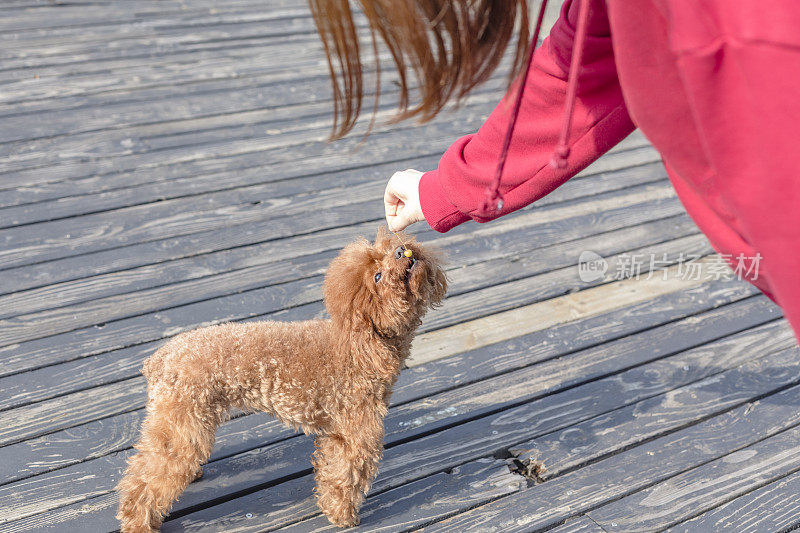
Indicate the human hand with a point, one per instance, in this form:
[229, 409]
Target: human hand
[401, 200]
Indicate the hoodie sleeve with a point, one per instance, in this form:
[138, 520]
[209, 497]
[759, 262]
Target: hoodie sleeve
[452, 194]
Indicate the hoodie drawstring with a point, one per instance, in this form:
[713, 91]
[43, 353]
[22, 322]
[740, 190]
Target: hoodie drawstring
[493, 200]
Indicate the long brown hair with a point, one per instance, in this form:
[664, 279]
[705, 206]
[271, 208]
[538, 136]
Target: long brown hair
[448, 46]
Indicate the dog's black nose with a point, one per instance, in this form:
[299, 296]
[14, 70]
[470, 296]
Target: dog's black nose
[398, 252]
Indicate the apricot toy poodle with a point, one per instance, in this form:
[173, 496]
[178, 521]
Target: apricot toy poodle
[331, 377]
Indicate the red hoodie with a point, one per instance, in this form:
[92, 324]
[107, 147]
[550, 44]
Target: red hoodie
[715, 87]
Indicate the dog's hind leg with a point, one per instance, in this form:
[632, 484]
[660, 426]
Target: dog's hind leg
[177, 438]
[345, 465]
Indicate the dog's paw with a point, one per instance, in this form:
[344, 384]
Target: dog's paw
[348, 520]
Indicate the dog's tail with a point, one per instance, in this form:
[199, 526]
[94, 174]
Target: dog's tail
[177, 438]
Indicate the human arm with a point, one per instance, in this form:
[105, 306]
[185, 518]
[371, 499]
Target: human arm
[454, 192]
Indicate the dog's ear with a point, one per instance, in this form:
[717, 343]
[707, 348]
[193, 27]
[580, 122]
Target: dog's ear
[347, 296]
[439, 288]
[437, 279]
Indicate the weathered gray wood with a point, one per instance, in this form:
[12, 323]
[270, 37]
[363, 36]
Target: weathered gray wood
[139, 40]
[58, 379]
[290, 457]
[306, 273]
[30, 420]
[305, 147]
[689, 493]
[165, 110]
[22, 301]
[400, 509]
[199, 60]
[65, 53]
[607, 199]
[133, 138]
[262, 301]
[198, 81]
[553, 501]
[278, 29]
[77, 16]
[581, 524]
[155, 134]
[23, 388]
[68, 206]
[268, 303]
[579, 444]
[437, 452]
[467, 367]
[773, 507]
[675, 409]
[118, 432]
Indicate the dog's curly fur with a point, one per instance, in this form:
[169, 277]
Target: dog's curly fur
[329, 377]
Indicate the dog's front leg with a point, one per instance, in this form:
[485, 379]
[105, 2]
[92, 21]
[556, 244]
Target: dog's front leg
[345, 464]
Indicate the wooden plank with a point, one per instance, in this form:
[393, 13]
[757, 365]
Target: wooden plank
[598, 437]
[127, 61]
[277, 137]
[87, 72]
[604, 481]
[138, 39]
[144, 83]
[60, 42]
[276, 124]
[485, 396]
[507, 325]
[469, 366]
[289, 458]
[90, 90]
[665, 413]
[80, 407]
[773, 507]
[146, 7]
[636, 166]
[100, 510]
[54, 57]
[689, 493]
[54, 294]
[21, 388]
[116, 433]
[79, 19]
[525, 291]
[158, 133]
[19, 279]
[401, 509]
[269, 303]
[56, 200]
[259, 302]
[212, 156]
[434, 453]
[297, 282]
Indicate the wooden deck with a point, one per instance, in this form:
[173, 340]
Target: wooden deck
[163, 166]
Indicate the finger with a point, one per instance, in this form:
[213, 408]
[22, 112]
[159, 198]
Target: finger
[390, 203]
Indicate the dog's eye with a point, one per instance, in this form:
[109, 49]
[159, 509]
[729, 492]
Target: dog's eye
[378, 277]
[398, 253]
